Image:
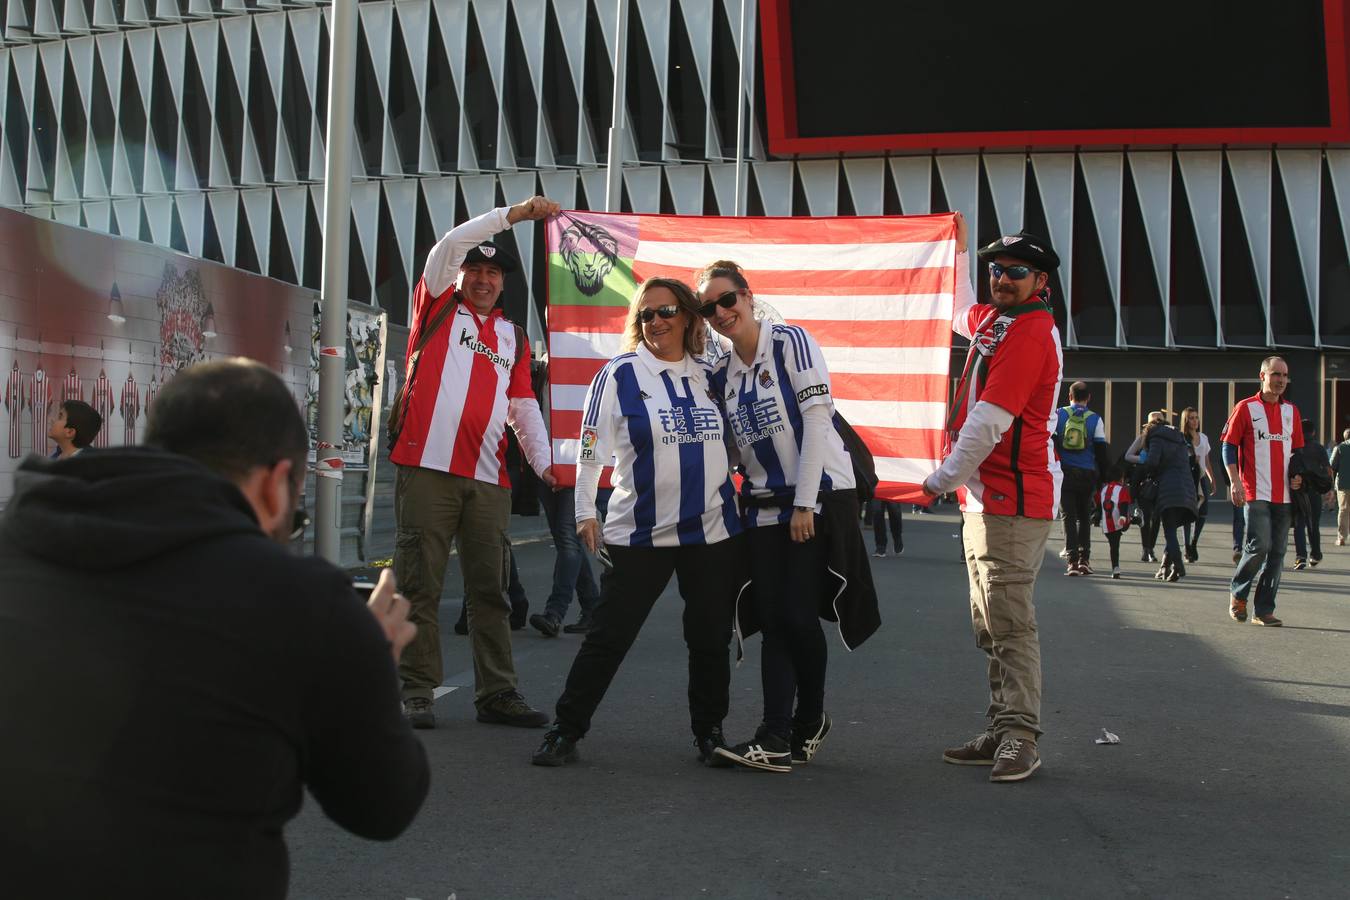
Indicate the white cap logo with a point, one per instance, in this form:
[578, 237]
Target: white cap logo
[1010, 240]
[486, 250]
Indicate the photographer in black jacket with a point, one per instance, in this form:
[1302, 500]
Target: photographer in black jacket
[172, 677]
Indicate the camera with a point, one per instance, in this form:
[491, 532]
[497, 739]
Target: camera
[364, 589]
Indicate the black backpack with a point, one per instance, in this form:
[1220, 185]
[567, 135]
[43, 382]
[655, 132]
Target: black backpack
[864, 468]
[1315, 469]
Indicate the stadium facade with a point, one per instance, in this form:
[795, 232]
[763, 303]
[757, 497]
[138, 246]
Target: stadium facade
[1200, 242]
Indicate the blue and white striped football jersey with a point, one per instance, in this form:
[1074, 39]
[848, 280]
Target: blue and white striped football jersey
[665, 430]
[764, 403]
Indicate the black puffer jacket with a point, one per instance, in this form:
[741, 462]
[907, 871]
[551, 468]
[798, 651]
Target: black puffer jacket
[1170, 460]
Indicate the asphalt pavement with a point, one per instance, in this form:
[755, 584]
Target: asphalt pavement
[1230, 778]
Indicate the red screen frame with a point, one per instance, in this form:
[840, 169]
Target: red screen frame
[780, 93]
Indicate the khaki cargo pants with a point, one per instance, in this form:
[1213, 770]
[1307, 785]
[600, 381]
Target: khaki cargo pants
[1003, 555]
[431, 510]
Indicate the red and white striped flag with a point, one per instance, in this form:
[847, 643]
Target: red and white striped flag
[102, 402]
[14, 407]
[131, 409]
[875, 292]
[39, 403]
[73, 387]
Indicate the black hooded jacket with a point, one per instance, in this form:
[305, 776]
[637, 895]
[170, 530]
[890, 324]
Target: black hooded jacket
[1169, 457]
[171, 679]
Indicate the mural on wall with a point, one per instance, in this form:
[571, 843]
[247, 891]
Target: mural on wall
[361, 395]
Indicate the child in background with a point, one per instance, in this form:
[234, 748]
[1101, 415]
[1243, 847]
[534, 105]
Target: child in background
[1113, 508]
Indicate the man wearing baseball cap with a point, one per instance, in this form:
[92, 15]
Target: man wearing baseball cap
[1002, 459]
[468, 377]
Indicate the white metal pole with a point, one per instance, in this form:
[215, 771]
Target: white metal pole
[337, 175]
[614, 169]
[741, 184]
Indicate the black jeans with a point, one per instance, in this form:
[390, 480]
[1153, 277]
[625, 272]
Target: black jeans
[1149, 522]
[710, 577]
[1076, 500]
[1172, 520]
[789, 584]
[1113, 539]
[880, 510]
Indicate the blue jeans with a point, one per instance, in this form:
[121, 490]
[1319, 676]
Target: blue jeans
[1239, 526]
[1308, 532]
[571, 568]
[1263, 553]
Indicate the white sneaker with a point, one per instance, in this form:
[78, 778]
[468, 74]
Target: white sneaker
[1064, 554]
[1115, 573]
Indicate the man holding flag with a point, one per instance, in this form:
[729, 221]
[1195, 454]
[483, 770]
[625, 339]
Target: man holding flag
[1003, 461]
[468, 378]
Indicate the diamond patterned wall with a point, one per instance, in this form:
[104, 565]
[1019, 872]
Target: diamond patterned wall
[199, 125]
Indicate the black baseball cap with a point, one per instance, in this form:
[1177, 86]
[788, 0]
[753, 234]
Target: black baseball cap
[488, 252]
[1030, 248]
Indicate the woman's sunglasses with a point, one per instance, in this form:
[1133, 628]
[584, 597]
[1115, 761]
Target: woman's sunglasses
[666, 312]
[726, 301]
[1015, 273]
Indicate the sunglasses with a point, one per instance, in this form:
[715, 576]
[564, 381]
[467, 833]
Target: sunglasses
[666, 312]
[726, 301]
[1015, 273]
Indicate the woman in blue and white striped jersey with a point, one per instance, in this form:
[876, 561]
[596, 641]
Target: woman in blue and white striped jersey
[673, 511]
[776, 391]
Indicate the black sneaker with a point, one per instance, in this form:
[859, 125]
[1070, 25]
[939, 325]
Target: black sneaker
[557, 750]
[1300, 563]
[509, 708]
[806, 739]
[419, 713]
[767, 752]
[707, 746]
[545, 624]
[581, 626]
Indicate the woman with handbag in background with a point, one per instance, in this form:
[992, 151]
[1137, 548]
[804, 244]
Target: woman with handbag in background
[1144, 489]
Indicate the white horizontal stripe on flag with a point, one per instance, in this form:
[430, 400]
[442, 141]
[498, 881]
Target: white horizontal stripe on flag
[873, 307]
[802, 257]
[893, 413]
[592, 345]
[907, 471]
[565, 451]
[888, 360]
[569, 396]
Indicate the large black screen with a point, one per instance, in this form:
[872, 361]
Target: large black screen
[872, 67]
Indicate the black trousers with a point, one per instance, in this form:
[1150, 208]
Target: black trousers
[789, 585]
[1075, 499]
[710, 576]
[1113, 538]
[1150, 520]
[880, 510]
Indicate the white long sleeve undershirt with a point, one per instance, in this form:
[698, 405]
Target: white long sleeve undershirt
[811, 461]
[524, 417]
[983, 429]
[588, 485]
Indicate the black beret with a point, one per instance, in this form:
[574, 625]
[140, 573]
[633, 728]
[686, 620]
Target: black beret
[1030, 248]
[488, 252]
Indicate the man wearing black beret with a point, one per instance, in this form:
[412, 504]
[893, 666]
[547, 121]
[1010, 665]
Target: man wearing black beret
[1002, 459]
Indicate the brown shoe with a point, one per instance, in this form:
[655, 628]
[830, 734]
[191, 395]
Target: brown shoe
[1015, 760]
[1267, 620]
[978, 751]
[1237, 609]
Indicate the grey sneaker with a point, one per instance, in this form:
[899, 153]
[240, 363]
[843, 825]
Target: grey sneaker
[1015, 760]
[418, 711]
[978, 751]
[509, 708]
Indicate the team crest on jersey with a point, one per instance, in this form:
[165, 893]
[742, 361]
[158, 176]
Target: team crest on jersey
[588, 443]
[765, 381]
[987, 342]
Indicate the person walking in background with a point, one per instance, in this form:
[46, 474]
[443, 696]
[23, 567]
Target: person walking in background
[1084, 454]
[672, 512]
[1340, 464]
[799, 504]
[468, 380]
[1239, 517]
[1190, 429]
[1144, 489]
[880, 509]
[1262, 433]
[1167, 457]
[1003, 458]
[1113, 510]
[1312, 463]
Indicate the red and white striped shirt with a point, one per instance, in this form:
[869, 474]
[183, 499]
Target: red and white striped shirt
[73, 387]
[102, 402]
[1265, 435]
[39, 403]
[473, 378]
[131, 409]
[14, 406]
[1111, 499]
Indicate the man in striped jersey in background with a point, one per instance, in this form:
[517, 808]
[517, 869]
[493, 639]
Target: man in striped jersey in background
[465, 385]
[1262, 433]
